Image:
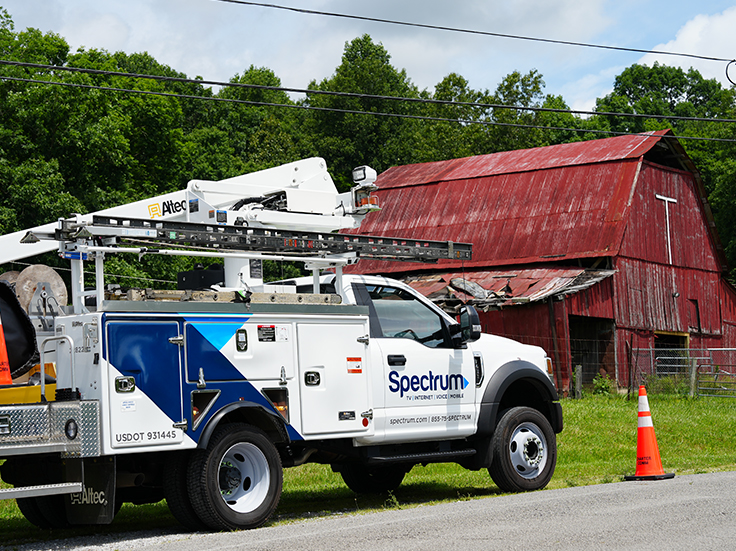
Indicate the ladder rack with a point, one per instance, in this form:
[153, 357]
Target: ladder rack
[244, 238]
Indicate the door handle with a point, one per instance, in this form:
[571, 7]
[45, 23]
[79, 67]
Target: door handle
[396, 359]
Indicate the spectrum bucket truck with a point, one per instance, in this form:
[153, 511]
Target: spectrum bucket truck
[203, 395]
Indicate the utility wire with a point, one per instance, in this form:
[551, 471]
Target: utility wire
[469, 31]
[347, 111]
[310, 91]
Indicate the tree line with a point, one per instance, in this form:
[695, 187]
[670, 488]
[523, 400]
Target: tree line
[67, 149]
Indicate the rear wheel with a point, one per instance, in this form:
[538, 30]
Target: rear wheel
[175, 491]
[372, 480]
[236, 482]
[53, 510]
[524, 451]
[29, 507]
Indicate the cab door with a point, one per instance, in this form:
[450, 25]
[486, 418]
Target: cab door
[428, 385]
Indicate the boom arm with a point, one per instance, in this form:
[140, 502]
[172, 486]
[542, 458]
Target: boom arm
[298, 195]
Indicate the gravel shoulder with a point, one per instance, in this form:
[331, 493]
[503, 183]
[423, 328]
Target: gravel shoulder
[687, 512]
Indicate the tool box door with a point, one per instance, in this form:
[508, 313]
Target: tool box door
[145, 383]
[334, 378]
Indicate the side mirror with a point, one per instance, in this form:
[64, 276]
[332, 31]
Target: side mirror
[469, 324]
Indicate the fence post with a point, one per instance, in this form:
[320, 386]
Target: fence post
[693, 377]
[578, 382]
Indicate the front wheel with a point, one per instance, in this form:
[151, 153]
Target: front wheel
[236, 482]
[524, 451]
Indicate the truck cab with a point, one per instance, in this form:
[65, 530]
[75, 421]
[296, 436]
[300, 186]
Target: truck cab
[440, 385]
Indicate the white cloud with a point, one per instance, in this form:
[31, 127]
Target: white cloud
[581, 94]
[705, 35]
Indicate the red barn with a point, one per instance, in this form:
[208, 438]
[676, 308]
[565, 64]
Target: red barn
[590, 249]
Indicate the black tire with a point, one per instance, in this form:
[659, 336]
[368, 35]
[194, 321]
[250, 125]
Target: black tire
[236, 482]
[53, 509]
[29, 507]
[176, 494]
[524, 449]
[372, 480]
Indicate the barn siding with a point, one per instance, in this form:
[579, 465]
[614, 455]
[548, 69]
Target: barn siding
[645, 297]
[594, 302]
[543, 324]
[646, 231]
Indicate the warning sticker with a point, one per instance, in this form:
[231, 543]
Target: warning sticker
[355, 365]
[267, 333]
[273, 333]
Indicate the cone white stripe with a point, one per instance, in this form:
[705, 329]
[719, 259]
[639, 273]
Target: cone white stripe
[646, 422]
[643, 404]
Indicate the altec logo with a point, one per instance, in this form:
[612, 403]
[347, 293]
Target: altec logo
[165, 208]
[89, 497]
[426, 383]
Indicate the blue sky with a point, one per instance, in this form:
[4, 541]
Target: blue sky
[216, 40]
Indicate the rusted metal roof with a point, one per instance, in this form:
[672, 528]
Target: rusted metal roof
[548, 204]
[500, 288]
[521, 160]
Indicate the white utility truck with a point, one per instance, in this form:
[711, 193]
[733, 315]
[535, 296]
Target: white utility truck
[203, 394]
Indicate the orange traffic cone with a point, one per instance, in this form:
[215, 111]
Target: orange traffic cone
[5, 377]
[648, 462]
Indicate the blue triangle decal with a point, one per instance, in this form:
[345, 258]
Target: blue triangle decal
[217, 333]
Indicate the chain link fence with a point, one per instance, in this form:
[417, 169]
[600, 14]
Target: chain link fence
[698, 371]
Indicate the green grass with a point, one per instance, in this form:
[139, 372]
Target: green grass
[597, 446]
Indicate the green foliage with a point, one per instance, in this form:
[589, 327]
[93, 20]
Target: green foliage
[602, 384]
[666, 91]
[673, 385]
[348, 139]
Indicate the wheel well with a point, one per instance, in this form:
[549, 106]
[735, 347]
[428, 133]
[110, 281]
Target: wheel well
[524, 392]
[252, 414]
[518, 383]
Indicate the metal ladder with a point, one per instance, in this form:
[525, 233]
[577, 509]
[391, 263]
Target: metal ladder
[245, 238]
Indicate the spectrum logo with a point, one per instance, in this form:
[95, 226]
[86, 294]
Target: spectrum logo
[426, 383]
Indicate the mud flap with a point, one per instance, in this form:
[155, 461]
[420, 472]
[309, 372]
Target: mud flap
[95, 504]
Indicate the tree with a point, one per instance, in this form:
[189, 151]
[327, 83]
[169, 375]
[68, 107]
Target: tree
[262, 135]
[458, 136]
[664, 91]
[348, 139]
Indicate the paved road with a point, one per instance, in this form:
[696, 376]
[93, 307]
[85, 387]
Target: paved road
[688, 512]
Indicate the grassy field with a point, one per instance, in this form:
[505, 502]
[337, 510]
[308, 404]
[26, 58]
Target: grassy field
[597, 446]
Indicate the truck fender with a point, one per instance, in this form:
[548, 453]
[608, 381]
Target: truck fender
[518, 371]
[250, 412]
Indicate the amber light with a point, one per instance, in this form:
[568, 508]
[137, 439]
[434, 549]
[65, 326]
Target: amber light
[283, 409]
[279, 397]
[550, 370]
[370, 200]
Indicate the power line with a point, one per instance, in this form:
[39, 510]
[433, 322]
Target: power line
[346, 111]
[356, 95]
[469, 31]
